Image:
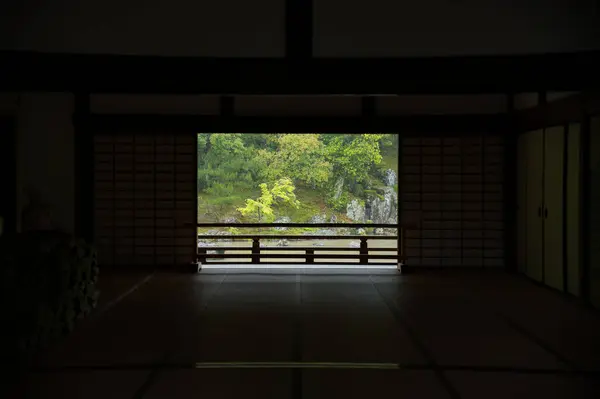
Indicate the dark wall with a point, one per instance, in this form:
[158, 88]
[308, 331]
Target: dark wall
[594, 217]
[235, 28]
[8, 176]
[43, 152]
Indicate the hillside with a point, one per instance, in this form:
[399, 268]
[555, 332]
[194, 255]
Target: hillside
[304, 178]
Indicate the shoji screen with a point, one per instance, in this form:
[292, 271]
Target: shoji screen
[453, 188]
[145, 198]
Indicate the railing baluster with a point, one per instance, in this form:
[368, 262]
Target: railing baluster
[256, 250]
[310, 255]
[364, 252]
[256, 255]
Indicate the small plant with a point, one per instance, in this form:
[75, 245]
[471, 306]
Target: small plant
[340, 203]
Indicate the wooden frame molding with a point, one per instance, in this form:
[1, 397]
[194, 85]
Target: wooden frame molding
[31, 71]
[415, 124]
[569, 109]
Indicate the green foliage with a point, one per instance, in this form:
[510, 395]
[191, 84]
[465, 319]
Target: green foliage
[281, 195]
[220, 198]
[300, 157]
[232, 168]
[234, 230]
[374, 193]
[224, 158]
[340, 203]
[353, 158]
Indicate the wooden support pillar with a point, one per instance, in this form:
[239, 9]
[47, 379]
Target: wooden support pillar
[400, 247]
[202, 255]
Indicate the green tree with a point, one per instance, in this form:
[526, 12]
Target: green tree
[224, 158]
[300, 157]
[280, 195]
[353, 157]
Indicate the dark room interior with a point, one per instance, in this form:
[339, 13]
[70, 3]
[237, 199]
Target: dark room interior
[300, 199]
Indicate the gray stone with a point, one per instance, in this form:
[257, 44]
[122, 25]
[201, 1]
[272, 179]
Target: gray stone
[390, 178]
[355, 211]
[282, 243]
[318, 219]
[384, 210]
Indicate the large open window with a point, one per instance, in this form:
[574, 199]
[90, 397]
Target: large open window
[297, 194]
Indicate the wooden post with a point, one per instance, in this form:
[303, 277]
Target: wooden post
[400, 247]
[256, 250]
[202, 255]
[364, 252]
[310, 256]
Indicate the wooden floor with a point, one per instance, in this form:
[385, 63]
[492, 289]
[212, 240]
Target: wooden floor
[471, 335]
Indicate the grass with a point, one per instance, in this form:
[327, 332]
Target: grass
[389, 162]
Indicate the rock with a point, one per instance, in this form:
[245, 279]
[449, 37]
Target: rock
[318, 219]
[379, 232]
[333, 219]
[390, 178]
[338, 189]
[282, 243]
[361, 231]
[216, 233]
[282, 219]
[202, 244]
[354, 244]
[356, 211]
[318, 244]
[230, 220]
[384, 210]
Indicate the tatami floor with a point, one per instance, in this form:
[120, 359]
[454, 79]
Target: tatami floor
[325, 334]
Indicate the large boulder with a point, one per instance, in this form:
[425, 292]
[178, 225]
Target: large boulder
[355, 210]
[384, 208]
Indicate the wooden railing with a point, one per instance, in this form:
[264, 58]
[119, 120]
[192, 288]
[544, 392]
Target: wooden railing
[308, 255]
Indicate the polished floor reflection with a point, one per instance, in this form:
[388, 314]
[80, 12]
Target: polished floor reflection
[452, 334]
